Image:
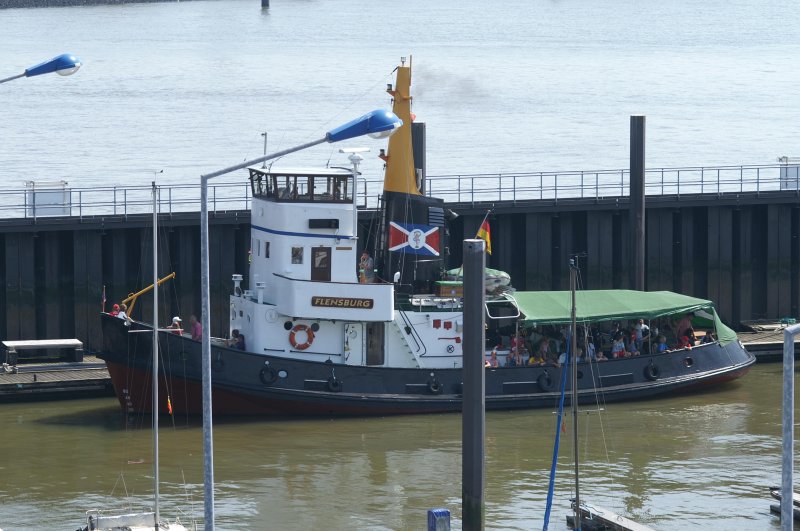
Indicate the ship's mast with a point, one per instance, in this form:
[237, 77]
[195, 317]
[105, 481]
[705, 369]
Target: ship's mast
[400, 175]
[573, 281]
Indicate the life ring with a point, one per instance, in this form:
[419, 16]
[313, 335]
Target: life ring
[334, 385]
[268, 375]
[545, 382]
[434, 386]
[309, 336]
[652, 372]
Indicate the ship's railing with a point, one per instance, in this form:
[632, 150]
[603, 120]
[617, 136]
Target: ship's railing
[46, 199]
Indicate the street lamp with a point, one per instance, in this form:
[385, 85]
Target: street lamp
[65, 64]
[377, 124]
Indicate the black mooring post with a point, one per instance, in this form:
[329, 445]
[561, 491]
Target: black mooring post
[473, 410]
[637, 199]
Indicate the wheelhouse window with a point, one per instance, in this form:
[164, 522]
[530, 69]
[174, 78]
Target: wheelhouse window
[334, 185]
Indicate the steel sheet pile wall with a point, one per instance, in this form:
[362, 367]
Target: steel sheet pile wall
[742, 252]
[53, 272]
[745, 256]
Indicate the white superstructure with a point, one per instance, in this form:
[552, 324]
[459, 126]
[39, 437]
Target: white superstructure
[305, 300]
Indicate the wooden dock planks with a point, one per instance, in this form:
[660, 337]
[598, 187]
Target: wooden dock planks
[50, 380]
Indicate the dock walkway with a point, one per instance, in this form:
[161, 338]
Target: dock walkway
[59, 379]
[766, 343]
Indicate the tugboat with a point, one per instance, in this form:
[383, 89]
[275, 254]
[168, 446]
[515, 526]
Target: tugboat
[322, 338]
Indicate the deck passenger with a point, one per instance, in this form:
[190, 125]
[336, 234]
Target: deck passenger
[661, 345]
[114, 310]
[492, 362]
[690, 335]
[196, 328]
[618, 347]
[642, 334]
[366, 268]
[236, 341]
[545, 352]
[681, 326]
[591, 352]
[176, 326]
[708, 338]
[514, 359]
[540, 356]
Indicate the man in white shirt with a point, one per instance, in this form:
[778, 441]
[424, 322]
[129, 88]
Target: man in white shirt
[642, 333]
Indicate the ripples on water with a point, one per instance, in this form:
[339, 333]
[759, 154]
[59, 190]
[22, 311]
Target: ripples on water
[516, 86]
[690, 462]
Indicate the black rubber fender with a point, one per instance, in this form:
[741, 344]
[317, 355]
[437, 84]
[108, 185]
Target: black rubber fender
[545, 381]
[434, 386]
[268, 375]
[333, 384]
[652, 372]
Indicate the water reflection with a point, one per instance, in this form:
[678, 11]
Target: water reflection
[659, 462]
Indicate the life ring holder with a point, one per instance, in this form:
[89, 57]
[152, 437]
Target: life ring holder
[545, 382]
[652, 372]
[309, 336]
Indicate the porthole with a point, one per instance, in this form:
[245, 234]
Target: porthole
[688, 361]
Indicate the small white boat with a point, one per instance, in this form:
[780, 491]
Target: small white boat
[96, 521]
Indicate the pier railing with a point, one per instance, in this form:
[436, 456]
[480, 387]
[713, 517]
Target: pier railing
[718, 180]
[49, 199]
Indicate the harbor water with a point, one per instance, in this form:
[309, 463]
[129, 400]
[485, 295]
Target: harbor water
[694, 462]
[541, 85]
[188, 87]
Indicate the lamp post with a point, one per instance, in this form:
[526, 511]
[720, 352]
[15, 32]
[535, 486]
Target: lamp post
[65, 64]
[377, 124]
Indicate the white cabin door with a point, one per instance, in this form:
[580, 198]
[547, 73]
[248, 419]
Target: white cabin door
[353, 344]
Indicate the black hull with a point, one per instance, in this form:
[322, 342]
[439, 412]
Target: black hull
[253, 384]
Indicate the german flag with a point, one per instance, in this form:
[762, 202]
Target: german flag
[485, 234]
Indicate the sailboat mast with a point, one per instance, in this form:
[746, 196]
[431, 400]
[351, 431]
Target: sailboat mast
[155, 353]
[573, 273]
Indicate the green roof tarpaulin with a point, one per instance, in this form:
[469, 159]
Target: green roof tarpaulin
[554, 307]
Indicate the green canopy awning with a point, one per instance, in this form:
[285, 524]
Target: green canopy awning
[554, 307]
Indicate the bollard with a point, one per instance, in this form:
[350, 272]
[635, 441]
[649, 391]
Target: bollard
[637, 194]
[438, 520]
[473, 409]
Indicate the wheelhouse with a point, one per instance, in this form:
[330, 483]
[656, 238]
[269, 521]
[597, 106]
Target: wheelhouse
[329, 185]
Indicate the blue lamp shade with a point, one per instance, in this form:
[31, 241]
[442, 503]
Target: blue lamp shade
[377, 124]
[65, 64]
